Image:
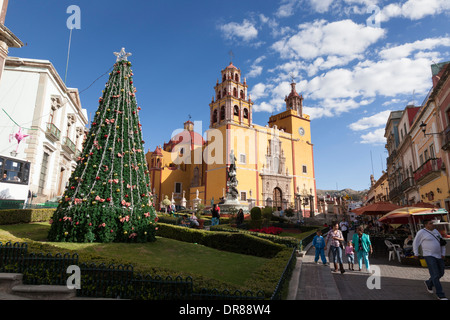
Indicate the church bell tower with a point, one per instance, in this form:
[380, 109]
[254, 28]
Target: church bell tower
[294, 101]
[231, 102]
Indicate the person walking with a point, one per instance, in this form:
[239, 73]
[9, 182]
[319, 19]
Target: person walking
[429, 239]
[344, 228]
[240, 217]
[335, 238]
[215, 215]
[350, 252]
[363, 246]
[319, 244]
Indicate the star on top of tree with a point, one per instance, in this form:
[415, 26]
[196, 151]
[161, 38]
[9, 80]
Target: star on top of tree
[122, 55]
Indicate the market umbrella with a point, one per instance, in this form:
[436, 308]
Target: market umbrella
[377, 208]
[408, 215]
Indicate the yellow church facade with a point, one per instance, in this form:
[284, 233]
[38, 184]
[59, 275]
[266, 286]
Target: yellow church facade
[274, 162]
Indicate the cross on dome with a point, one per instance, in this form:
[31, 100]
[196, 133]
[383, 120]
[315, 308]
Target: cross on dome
[122, 55]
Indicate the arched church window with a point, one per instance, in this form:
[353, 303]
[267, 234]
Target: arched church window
[245, 113]
[215, 116]
[236, 77]
[224, 93]
[222, 113]
[235, 92]
[219, 95]
[242, 94]
[236, 110]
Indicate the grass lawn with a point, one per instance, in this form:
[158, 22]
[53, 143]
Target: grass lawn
[162, 255]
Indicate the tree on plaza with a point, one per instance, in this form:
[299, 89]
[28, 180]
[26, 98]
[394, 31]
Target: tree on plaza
[108, 197]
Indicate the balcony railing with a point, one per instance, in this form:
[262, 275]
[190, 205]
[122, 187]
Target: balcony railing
[53, 133]
[396, 192]
[68, 145]
[430, 170]
[408, 183]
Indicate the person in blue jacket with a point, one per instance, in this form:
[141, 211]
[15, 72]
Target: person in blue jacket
[319, 244]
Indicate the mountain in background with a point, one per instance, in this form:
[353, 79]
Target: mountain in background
[355, 195]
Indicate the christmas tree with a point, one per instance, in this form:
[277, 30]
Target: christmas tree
[108, 197]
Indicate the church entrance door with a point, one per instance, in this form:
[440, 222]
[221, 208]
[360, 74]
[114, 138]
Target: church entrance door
[277, 198]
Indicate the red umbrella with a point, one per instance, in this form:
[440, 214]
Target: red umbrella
[377, 208]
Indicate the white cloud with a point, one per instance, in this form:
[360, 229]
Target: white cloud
[322, 38]
[259, 91]
[245, 31]
[263, 107]
[377, 120]
[375, 137]
[405, 50]
[321, 6]
[256, 69]
[369, 79]
[286, 9]
[414, 9]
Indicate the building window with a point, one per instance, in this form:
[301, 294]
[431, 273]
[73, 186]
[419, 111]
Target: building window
[235, 92]
[236, 110]
[222, 113]
[43, 176]
[215, 116]
[242, 158]
[245, 113]
[305, 169]
[243, 196]
[432, 153]
[178, 188]
[425, 155]
[421, 159]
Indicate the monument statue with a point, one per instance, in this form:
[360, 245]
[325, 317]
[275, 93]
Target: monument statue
[232, 182]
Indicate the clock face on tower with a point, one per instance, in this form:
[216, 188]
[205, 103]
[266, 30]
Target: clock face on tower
[301, 131]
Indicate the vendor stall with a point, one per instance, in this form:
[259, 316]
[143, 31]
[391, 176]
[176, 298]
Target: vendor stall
[414, 217]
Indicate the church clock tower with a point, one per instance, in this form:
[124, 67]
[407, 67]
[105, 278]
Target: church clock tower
[231, 103]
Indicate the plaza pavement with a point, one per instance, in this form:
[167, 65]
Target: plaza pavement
[311, 281]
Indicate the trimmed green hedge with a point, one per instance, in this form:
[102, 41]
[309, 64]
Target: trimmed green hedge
[226, 241]
[16, 216]
[287, 241]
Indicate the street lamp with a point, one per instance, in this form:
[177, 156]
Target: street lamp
[311, 202]
[423, 127]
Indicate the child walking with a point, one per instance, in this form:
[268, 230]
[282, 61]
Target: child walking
[319, 244]
[350, 252]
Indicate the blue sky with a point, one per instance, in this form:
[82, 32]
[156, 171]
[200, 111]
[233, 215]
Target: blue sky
[354, 61]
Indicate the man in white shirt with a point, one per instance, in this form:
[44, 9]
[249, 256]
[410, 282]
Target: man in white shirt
[434, 253]
[344, 228]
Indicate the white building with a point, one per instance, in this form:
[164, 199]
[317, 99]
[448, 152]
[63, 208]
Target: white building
[34, 96]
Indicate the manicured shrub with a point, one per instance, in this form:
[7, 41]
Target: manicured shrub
[226, 241]
[16, 216]
[255, 213]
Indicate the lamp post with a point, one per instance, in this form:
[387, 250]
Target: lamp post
[423, 126]
[311, 202]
